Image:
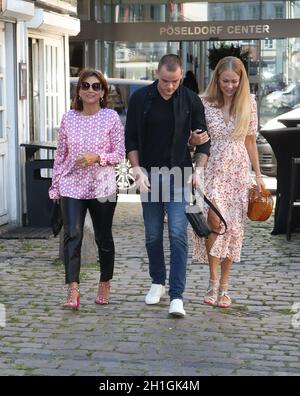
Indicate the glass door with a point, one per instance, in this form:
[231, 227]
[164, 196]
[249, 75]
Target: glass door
[47, 82]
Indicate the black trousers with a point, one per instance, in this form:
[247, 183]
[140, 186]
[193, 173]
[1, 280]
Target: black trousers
[74, 212]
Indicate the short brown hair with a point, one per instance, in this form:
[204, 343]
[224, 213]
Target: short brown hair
[171, 62]
[85, 73]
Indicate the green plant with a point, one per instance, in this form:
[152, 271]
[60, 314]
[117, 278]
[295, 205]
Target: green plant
[27, 246]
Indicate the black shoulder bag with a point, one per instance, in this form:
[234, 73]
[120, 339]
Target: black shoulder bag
[197, 220]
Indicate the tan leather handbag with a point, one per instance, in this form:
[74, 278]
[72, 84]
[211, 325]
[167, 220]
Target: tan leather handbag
[260, 205]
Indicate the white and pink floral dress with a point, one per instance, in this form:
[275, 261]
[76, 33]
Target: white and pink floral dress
[226, 183]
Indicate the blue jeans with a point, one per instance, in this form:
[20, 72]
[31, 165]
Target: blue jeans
[153, 213]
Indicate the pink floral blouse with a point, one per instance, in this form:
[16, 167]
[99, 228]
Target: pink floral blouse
[101, 133]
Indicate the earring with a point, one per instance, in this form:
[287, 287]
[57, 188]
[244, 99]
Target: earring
[79, 98]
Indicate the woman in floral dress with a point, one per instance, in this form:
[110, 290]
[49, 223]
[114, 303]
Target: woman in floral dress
[231, 119]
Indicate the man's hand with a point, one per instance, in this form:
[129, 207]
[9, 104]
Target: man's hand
[87, 159]
[197, 178]
[197, 138]
[201, 160]
[142, 181]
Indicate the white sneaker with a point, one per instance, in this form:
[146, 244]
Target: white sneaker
[155, 293]
[176, 308]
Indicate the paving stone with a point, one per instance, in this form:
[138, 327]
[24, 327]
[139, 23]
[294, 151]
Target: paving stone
[254, 337]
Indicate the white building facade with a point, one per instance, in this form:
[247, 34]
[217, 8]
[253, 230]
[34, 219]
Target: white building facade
[34, 88]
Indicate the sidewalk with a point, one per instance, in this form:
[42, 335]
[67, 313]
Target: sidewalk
[259, 335]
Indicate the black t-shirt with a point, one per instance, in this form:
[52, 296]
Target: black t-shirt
[159, 132]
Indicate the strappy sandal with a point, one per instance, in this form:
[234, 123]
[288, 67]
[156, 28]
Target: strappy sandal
[73, 298]
[223, 292]
[103, 293]
[211, 295]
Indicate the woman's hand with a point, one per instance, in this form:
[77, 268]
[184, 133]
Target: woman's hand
[197, 138]
[87, 159]
[260, 183]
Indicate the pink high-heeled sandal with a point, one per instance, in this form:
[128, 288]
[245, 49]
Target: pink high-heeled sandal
[103, 293]
[71, 301]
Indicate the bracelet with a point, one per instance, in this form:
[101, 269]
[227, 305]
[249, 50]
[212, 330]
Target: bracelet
[259, 177]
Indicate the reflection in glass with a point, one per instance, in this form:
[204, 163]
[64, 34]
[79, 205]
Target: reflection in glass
[1, 125]
[76, 50]
[175, 11]
[1, 105]
[140, 13]
[140, 60]
[83, 10]
[280, 77]
[1, 91]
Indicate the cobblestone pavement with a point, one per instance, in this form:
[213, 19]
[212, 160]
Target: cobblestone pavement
[259, 335]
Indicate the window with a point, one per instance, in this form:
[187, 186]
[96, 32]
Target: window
[140, 13]
[83, 9]
[53, 85]
[268, 43]
[254, 12]
[279, 11]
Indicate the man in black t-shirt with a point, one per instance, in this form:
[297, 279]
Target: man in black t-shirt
[159, 122]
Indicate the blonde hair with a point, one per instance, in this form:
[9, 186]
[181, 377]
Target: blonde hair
[241, 105]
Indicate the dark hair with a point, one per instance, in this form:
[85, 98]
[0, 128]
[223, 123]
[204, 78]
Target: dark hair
[190, 81]
[85, 73]
[171, 62]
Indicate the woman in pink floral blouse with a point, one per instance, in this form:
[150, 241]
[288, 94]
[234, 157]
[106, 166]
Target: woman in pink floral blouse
[231, 118]
[90, 144]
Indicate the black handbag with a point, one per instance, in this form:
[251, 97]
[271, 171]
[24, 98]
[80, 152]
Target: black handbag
[56, 219]
[197, 220]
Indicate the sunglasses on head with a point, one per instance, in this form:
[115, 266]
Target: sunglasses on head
[85, 86]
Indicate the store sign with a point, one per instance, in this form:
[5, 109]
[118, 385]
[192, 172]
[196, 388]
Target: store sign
[214, 30]
[177, 31]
